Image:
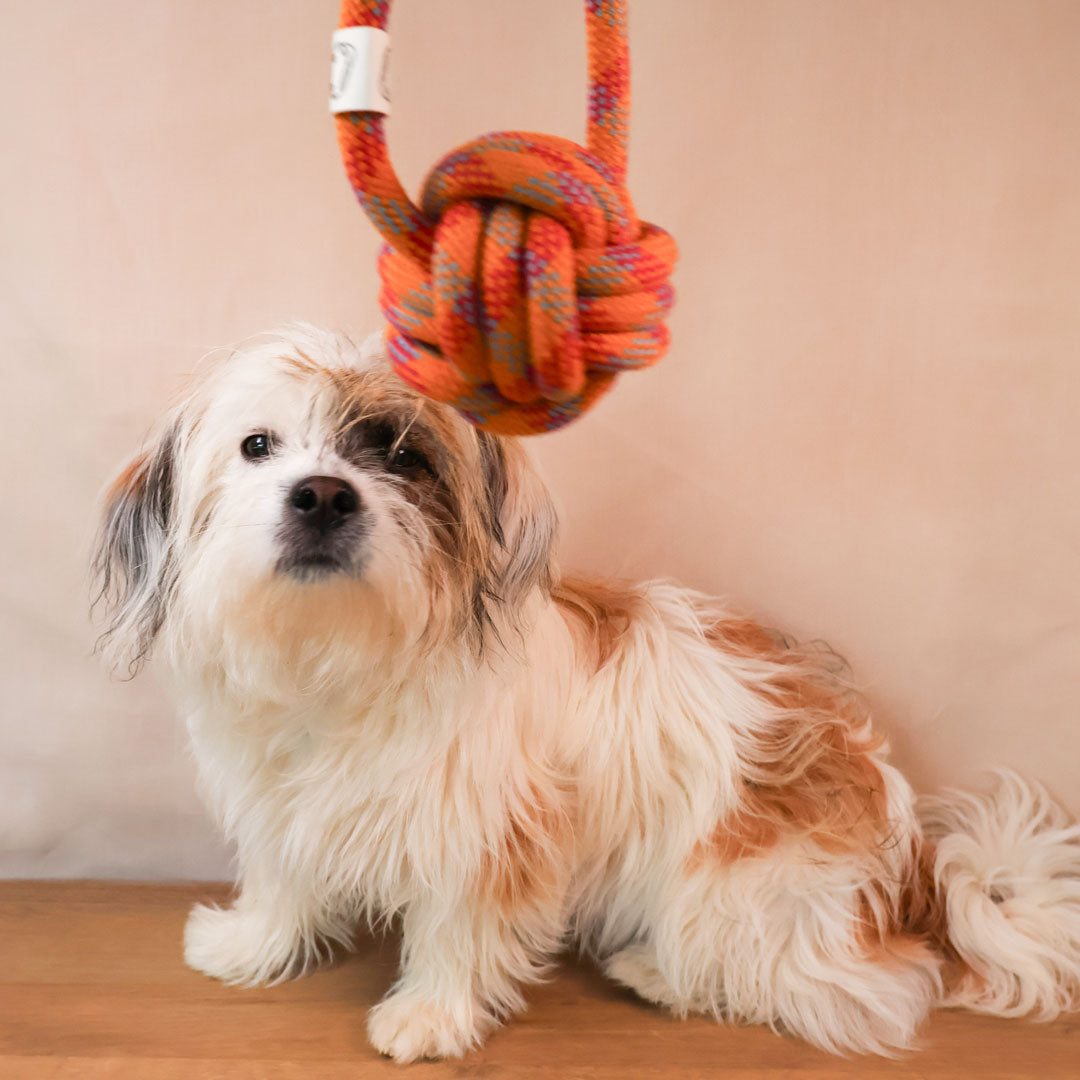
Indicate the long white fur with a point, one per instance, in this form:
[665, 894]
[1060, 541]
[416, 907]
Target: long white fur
[370, 762]
[1008, 863]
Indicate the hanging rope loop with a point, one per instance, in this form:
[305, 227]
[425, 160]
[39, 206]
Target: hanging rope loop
[524, 283]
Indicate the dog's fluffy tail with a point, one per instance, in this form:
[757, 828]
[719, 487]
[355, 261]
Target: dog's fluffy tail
[1007, 871]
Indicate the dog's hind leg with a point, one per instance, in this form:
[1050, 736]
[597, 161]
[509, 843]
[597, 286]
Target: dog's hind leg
[788, 944]
[636, 967]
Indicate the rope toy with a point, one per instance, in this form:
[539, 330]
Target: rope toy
[524, 283]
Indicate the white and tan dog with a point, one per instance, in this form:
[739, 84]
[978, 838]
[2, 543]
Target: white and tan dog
[399, 709]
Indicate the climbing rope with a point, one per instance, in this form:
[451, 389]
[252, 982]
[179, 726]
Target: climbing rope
[524, 283]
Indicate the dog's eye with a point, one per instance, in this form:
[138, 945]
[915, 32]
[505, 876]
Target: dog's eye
[256, 446]
[407, 460]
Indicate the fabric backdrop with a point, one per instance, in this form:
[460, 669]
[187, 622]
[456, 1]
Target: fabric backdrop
[866, 429]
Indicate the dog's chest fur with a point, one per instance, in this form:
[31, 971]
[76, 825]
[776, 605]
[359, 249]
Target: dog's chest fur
[372, 802]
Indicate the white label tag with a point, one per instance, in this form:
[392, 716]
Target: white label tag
[359, 70]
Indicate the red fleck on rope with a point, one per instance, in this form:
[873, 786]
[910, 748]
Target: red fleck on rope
[524, 283]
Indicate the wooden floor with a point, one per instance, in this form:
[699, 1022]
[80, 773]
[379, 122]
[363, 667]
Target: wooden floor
[92, 985]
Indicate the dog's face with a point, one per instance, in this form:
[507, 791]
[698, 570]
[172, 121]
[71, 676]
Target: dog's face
[302, 504]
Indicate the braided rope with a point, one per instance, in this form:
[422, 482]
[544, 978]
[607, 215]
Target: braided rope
[524, 283]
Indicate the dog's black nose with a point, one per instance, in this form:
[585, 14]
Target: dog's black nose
[323, 502]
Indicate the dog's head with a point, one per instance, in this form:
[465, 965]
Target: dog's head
[303, 509]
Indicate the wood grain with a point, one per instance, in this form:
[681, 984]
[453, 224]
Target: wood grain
[92, 986]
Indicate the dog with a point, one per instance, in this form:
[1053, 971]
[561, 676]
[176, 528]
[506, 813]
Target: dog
[401, 711]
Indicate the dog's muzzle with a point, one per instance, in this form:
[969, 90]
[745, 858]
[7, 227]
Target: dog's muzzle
[323, 521]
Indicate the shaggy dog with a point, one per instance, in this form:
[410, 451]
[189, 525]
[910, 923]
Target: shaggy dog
[400, 709]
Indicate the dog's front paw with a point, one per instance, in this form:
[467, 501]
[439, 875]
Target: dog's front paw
[234, 946]
[407, 1027]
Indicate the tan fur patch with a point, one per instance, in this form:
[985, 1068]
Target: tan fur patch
[299, 365]
[132, 478]
[530, 865]
[918, 913]
[909, 930]
[598, 613]
[745, 638]
[896, 951]
[811, 774]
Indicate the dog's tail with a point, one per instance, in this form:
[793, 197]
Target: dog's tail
[1007, 874]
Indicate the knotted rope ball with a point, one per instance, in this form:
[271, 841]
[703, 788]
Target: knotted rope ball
[524, 283]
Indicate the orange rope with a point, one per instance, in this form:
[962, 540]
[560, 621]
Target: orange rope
[524, 283]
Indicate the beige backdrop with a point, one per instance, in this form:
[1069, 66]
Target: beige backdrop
[866, 429]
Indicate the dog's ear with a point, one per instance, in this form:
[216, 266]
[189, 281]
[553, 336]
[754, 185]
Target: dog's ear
[523, 521]
[133, 563]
